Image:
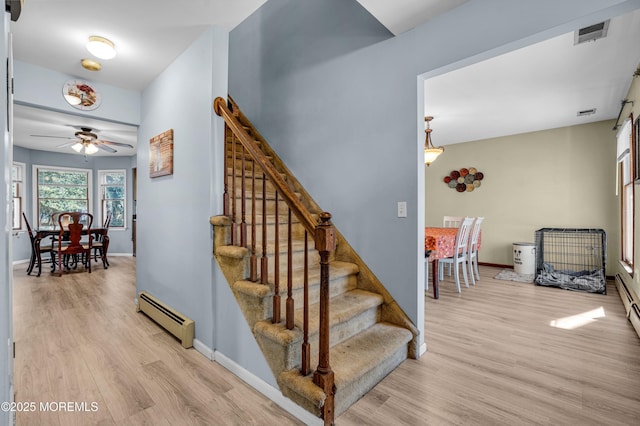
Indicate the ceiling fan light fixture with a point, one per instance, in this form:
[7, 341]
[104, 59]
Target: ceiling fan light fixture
[90, 149]
[90, 64]
[101, 47]
[77, 147]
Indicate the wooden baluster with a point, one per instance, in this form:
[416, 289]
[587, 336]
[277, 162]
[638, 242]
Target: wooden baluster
[325, 243]
[233, 190]
[225, 198]
[306, 347]
[276, 270]
[253, 261]
[243, 198]
[264, 261]
[290, 304]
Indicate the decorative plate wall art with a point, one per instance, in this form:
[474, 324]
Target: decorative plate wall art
[465, 179]
[81, 95]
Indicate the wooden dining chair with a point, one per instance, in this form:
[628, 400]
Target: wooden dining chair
[101, 242]
[75, 250]
[37, 249]
[472, 257]
[459, 257]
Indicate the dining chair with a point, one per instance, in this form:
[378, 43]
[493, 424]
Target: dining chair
[75, 250]
[36, 248]
[101, 241]
[451, 222]
[472, 260]
[459, 253]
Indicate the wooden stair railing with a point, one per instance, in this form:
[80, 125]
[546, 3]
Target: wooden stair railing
[322, 231]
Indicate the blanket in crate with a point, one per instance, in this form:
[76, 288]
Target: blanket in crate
[593, 281]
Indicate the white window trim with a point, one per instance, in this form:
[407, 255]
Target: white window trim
[100, 173]
[34, 182]
[23, 166]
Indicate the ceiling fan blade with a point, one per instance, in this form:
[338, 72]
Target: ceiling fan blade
[126, 145]
[66, 144]
[53, 137]
[105, 148]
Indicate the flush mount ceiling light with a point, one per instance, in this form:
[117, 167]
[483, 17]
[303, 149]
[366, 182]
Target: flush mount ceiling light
[430, 152]
[91, 65]
[101, 47]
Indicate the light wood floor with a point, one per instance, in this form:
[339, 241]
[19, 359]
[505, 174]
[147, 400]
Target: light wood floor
[493, 359]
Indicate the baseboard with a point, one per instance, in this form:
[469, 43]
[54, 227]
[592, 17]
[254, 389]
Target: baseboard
[267, 390]
[17, 262]
[423, 349]
[120, 254]
[495, 265]
[203, 349]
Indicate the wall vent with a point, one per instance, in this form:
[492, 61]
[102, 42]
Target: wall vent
[591, 33]
[586, 112]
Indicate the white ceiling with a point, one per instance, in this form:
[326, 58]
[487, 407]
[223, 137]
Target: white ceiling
[150, 34]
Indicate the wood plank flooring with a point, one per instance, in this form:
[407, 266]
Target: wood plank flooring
[79, 339]
[493, 359]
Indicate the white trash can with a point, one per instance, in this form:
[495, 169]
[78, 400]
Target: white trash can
[524, 258]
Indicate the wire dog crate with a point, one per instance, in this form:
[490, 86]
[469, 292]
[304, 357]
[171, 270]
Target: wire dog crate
[572, 259]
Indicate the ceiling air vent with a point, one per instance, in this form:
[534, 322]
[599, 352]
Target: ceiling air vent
[586, 112]
[591, 33]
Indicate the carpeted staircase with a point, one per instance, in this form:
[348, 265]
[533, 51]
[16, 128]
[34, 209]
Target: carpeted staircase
[370, 335]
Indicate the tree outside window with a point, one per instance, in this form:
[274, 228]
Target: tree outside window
[59, 190]
[113, 196]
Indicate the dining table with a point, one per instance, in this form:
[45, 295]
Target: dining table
[47, 232]
[439, 243]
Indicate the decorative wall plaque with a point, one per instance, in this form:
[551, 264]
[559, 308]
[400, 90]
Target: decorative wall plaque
[161, 154]
[464, 180]
[81, 95]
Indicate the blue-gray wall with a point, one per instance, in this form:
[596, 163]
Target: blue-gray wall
[120, 241]
[346, 115]
[174, 251]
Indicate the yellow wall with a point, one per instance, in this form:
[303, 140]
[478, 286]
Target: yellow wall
[633, 95]
[562, 177]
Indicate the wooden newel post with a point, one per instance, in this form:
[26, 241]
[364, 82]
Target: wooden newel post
[325, 243]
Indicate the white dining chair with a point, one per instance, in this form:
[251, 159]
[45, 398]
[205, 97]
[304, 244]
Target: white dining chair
[472, 256]
[451, 221]
[459, 257]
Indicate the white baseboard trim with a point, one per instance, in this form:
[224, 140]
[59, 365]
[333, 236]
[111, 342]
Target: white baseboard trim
[17, 262]
[423, 349]
[203, 349]
[120, 254]
[267, 390]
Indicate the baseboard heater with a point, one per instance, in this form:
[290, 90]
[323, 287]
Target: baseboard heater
[172, 321]
[631, 303]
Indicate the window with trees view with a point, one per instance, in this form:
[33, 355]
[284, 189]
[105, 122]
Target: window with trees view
[17, 194]
[113, 196]
[60, 189]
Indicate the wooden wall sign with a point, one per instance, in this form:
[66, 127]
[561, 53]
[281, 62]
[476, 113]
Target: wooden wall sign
[161, 154]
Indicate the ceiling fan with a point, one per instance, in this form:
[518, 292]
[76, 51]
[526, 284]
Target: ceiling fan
[85, 141]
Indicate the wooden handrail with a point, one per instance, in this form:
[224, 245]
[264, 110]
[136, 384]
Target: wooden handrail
[324, 237]
[298, 209]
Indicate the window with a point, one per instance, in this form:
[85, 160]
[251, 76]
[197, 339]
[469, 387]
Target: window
[624, 144]
[113, 196]
[60, 189]
[17, 194]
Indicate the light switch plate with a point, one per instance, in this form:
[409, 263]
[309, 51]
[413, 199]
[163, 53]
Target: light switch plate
[402, 209]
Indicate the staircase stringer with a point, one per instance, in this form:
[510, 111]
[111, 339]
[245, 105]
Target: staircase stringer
[391, 312]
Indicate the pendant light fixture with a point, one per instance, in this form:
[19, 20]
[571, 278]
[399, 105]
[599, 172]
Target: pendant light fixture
[430, 152]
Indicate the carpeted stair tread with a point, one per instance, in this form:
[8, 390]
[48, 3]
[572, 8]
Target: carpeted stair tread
[337, 270]
[342, 308]
[358, 363]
